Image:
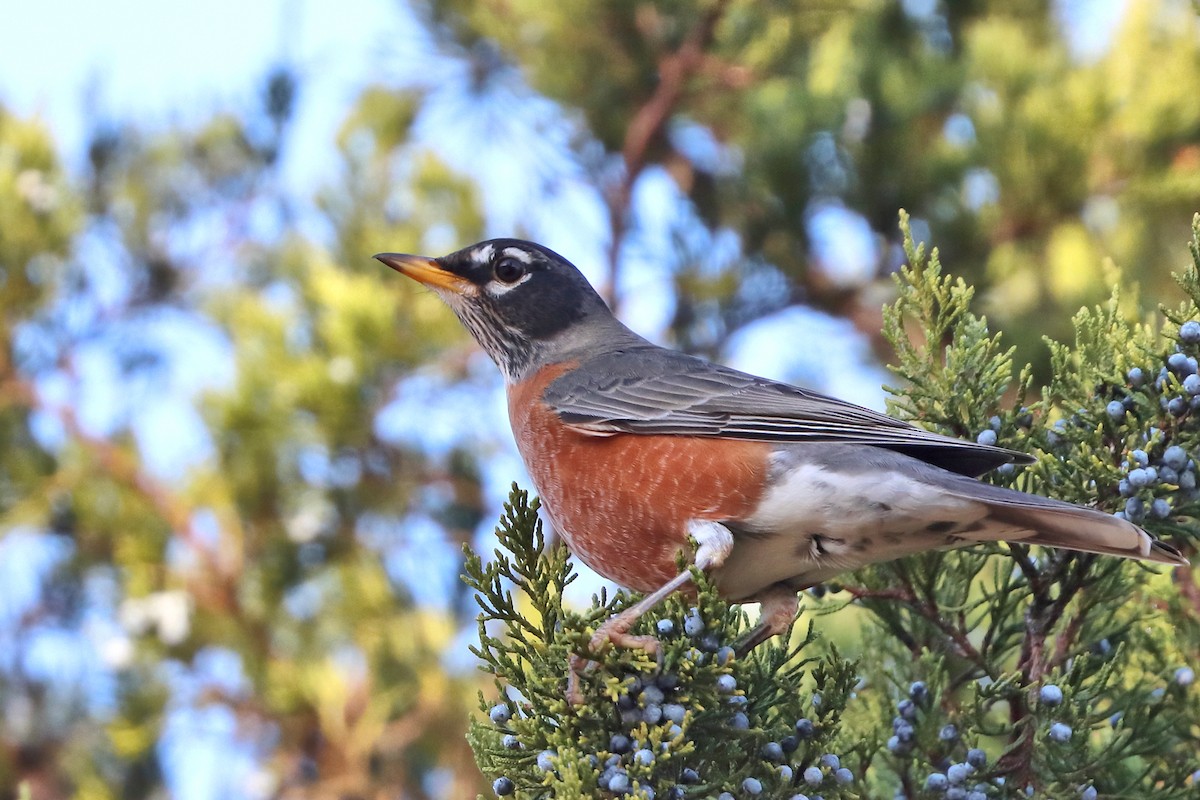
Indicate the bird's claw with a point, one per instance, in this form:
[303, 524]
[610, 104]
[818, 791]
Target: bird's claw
[576, 664]
[615, 633]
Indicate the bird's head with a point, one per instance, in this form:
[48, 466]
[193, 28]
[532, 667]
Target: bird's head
[525, 304]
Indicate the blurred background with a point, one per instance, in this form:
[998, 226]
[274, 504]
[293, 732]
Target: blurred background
[240, 458]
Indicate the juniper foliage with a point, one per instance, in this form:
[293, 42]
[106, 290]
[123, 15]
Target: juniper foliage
[1000, 671]
[674, 716]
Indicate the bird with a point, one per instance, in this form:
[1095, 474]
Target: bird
[637, 451]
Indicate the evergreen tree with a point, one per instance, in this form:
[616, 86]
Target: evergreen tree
[997, 671]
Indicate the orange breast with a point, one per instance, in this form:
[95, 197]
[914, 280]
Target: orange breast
[622, 502]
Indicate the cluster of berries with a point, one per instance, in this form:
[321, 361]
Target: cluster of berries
[1153, 486]
[656, 714]
[828, 771]
[627, 761]
[951, 782]
[1177, 382]
[658, 702]
[654, 701]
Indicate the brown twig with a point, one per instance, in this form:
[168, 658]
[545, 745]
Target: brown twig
[1069, 571]
[863, 593]
[1064, 643]
[216, 585]
[1189, 590]
[958, 637]
[674, 72]
[928, 610]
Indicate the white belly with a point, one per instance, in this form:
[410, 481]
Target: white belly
[817, 522]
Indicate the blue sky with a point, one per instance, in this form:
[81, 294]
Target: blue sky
[158, 62]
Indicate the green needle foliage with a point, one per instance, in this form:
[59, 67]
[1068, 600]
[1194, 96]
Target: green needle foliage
[685, 725]
[990, 627]
[1001, 671]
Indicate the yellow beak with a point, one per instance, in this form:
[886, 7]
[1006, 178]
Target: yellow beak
[425, 270]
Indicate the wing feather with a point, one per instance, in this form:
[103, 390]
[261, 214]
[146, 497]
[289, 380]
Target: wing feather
[650, 390]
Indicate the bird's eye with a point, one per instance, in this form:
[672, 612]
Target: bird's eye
[509, 270]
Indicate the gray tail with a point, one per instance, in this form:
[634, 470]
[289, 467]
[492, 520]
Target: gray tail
[1086, 530]
[1016, 516]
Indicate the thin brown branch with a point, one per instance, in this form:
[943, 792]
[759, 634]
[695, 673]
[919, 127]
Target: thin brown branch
[215, 586]
[958, 637]
[1189, 590]
[1064, 643]
[1069, 572]
[675, 71]
[928, 609]
[863, 593]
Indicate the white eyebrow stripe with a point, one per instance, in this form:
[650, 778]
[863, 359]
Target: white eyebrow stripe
[520, 255]
[483, 255]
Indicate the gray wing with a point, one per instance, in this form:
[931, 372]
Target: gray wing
[651, 390]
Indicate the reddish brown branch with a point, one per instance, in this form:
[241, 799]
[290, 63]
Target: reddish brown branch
[675, 71]
[1069, 572]
[1185, 580]
[928, 610]
[215, 586]
[1064, 643]
[863, 593]
[958, 637]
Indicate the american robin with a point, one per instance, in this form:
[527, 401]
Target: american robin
[633, 448]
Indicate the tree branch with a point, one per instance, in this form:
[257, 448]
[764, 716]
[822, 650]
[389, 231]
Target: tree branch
[674, 72]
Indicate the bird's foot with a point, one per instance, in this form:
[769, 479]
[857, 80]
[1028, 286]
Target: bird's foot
[614, 632]
[576, 665]
[752, 639]
[779, 605]
[715, 543]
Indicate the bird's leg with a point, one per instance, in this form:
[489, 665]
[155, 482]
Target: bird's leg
[779, 606]
[714, 543]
